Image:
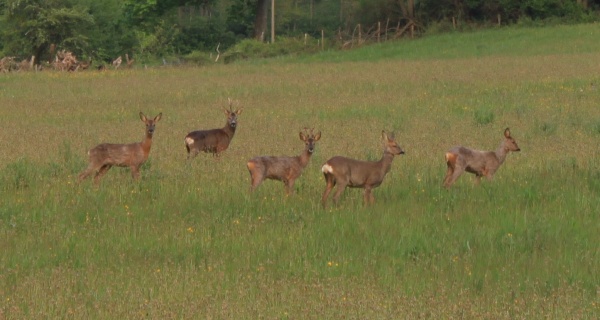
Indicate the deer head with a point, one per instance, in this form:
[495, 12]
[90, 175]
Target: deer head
[231, 114]
[390, 145]
[310, 139]
[510, 144]
[150, 123]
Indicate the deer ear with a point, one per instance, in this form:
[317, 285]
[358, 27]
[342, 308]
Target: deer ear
[302, 136]
[157, 118]
[239, 111]
[317, 136]
[143, 117]
[507, 133]
[384, 135]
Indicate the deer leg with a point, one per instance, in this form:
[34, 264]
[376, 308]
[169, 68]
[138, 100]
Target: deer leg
[451, 159]
[489, 174]
[256, 175]
[330, 183]
[102, 171]
[91, 168]
[448, 175]
[457, 172]
[193, 153]
[477, 179]
[341, 185]
[368, 196]
[135, 172]
[289, 186]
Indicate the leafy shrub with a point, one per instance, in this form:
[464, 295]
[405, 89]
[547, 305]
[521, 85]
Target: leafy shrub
[548, 127]
[596, 127]
[18, 175]
[249, 48]
[198, 58]
[484, 115]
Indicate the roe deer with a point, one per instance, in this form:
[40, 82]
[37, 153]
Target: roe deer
[117, 62]
[481, 163]
[285, 169]
[103, 156]
[213, 141]
[129, 61]
[352, 173]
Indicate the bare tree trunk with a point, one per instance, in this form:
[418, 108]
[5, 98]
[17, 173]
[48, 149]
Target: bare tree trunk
[272, 21]
[359, 35]
[312, 5]
[260, 22]
[386, 28]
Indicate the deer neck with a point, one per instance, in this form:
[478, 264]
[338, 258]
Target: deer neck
[501, 153]
[147, 143]
[229, 130]
[304, 158]
[386, 161]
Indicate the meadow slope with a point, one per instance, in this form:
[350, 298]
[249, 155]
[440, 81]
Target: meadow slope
[189, 241]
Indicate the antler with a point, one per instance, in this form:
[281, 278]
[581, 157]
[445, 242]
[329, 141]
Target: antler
[231, 103]
[312, 134]
[309, 132]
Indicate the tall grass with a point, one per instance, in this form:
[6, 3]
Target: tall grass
[188, 240]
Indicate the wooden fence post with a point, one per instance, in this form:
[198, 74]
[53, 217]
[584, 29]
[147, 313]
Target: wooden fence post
[359, 35]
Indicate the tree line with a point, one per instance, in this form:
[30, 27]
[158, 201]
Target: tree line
[154, 29]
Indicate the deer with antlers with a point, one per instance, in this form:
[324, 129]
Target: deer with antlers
[481, 163]
[213, 141]
[106, 155]
[346, 172]
[285, 169]
[117, 62]
[129, 61]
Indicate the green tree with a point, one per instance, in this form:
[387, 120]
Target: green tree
[30, 27]
[111, 34]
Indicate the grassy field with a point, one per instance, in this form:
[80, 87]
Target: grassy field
[189, 241]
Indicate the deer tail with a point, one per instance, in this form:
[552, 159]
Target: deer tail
[451, 159]
[327, 168]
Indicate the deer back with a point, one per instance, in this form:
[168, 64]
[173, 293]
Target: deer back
[474, 160]
[122, 155]
[483, 162]
[209, 140]
[132, 154]
[361, 173]
[277, 168]
[215, 140]
[287, 168]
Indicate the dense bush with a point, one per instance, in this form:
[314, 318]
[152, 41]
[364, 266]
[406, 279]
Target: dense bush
[250, 48]
[151, 29]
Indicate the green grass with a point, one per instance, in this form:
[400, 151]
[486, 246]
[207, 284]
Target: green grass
[506, 42]
[189, 241]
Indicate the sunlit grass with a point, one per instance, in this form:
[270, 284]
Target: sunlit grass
[189, 239]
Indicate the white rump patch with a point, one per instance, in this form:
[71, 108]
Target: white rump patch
[189, 141]
[326, 168]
